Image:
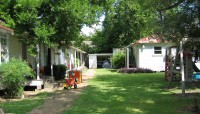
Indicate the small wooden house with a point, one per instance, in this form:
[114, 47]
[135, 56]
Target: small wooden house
[149, 52]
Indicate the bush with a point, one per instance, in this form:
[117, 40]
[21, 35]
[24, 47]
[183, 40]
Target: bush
[12, 76]
[134, 70]
[47, 70]
[118, 59]
[59, 71]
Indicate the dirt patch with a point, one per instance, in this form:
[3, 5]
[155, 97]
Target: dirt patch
[63, 99]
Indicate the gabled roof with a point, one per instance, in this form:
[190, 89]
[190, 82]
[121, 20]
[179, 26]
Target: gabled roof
[153, 39]
[148, 39]
[4, 28]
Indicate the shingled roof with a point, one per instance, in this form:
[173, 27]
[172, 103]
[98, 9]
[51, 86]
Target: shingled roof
[5, 28]
[148, 39]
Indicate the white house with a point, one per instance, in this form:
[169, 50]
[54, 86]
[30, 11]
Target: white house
[5, 38]
[149, 52]
[75, 59]
[12, 47]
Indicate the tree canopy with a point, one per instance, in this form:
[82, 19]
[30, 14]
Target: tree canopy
[129, 20]
[125, 21]
[58, 22]
[177, 18]
[52, 22]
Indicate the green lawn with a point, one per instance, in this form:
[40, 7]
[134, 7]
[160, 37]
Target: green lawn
[114, 93]
[24, 106]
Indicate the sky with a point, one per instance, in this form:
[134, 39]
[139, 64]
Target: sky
[91, 30]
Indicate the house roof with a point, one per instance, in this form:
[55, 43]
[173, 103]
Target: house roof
[79, 50]
[6, 28]
[148, 39]
[153, 39]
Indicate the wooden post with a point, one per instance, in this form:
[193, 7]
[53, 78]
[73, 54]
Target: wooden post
[52, 60]
[127, 57]
[75, 59]
[70, 59]
[182, 69]
[81, 59]
[37, 62]
[125, 52]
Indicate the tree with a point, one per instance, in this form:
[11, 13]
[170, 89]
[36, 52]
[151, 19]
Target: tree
[125, 21]
[50, 22]
[177, 18]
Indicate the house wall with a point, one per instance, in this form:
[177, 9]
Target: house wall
[92, 61]
[70, 58]
[15, 48]
[58, 56]
[43, 55]
[147, 59]
[136, 54]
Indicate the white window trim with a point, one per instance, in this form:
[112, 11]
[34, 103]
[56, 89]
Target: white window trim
[6, 38]
[157, 55]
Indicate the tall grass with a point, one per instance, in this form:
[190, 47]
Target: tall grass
[114, 93]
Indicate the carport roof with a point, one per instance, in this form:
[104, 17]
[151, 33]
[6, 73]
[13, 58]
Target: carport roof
[102, 54]
[79, 50]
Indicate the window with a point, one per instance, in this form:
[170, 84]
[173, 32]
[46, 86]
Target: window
[157, 50]
[3, 48]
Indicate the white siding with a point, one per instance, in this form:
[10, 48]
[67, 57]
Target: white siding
[15, 48]
[147, 58]
[136, 54]
[92, 61]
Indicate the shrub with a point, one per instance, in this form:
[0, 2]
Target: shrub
[134, 70]
[47, 70]
[59, 71]
[118, 59]
[13, 75]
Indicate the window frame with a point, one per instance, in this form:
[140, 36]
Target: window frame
[3, 43]
[157, 51]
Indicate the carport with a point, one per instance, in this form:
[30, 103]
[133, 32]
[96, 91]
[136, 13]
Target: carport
[96, 60]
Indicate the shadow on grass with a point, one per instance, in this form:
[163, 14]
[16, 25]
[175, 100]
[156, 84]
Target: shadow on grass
[113, 93]
[24, 106]
[112, 70]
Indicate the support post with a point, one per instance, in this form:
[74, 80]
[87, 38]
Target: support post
[70, 59]
[182, 69]
[75, 59]
[37, 62]
[81, 59]
[52, 60]
[127, 57]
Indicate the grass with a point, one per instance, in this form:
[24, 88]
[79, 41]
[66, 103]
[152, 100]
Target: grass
[23, 106]
[114, 93]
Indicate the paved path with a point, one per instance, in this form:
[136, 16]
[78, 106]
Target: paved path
[63, 99]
